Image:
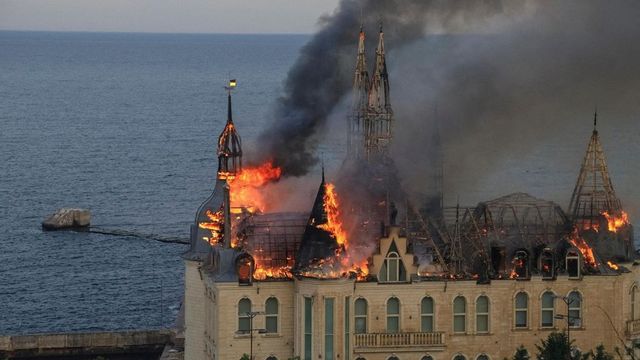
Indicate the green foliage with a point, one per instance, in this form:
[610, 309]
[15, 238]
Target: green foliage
[245, 357]
[600, 354]
[521, 354]
[556, 347]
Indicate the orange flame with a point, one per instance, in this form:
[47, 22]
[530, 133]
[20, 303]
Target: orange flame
[245, 186]
[613, 265]
[584, 248]
[215, 225]
[616, 221]
[332, 208]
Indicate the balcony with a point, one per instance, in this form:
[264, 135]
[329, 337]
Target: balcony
[371, 342]
[633, 327]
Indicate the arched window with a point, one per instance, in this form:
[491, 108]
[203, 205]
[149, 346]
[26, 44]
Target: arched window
[520, 265]
[393, 315]
[361, 358]
[393, 358]
[522, 310]
[426, 314]
[392, 269]
[360, 316]
[573, 263]
[244, 268]
[575, 309]
[459, 314]
[548, 310]
[482, 314]
[271, 315]
[635, 305]
[244, 319]
[546, 264]
[482, 357]
[459, 357]
[427, 357]
[272, 358]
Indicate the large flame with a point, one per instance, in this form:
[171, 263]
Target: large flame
[332, 208]
[616, 221]
[586, 251]
[613, 265]
[246, 186]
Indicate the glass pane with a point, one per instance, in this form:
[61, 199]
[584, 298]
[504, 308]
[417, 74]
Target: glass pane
[547, 300]
[521, 319]
[307, 315]
[482, 305]
[271, 306]
[459, 305]
[361, 307]
[272, 324]
[328, 347]
[244, 306]
[428, 357]
[307, 347]
[574, 317]
[483, 357]
[402, 272]
[521, 300]
[575, 299]
[427, 324]
[383, 272]
[427, 305]
[482, 323]
[393, 324]
[244, 324]
[393, 306]
[459, 357]
[361, 325]
[459, 323]
[328, 316]
[547, 318]
[393, 269]
[347, 319]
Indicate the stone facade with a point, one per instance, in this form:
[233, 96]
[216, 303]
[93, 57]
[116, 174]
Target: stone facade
[608, 314]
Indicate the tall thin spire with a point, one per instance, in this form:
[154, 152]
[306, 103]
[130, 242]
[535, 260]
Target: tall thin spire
[593, 193]
[360, 100]
[229, 144]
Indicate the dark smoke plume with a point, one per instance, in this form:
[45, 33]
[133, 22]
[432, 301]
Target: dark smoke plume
[322, 75]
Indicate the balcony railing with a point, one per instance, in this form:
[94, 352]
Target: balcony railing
[394, 340]
[633, 327]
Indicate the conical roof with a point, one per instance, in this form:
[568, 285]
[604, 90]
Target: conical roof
[229, 147]
[593, 193]
[317, 243]
[379, 92]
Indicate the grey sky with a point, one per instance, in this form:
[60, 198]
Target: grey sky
[219, 16]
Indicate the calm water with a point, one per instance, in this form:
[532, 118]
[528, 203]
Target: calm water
[125, 125]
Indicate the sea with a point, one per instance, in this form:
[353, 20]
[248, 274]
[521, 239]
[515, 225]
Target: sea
[126, 125]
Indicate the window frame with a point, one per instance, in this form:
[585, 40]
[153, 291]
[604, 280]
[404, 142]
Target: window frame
[244, 315]
[457, 314]
[552, 309]
[275, 315]
[573, 308]
[635, 305]
[573, 254]
[431, 315]
[390, 316]
[487, 314]
[364, 316]
[517, 310]
[459, 356]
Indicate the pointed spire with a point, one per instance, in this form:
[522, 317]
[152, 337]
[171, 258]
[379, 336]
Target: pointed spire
[359, 104]
[593, 193]
[595, 120]
[229, 144]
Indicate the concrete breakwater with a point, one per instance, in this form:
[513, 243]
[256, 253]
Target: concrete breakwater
[138, 344]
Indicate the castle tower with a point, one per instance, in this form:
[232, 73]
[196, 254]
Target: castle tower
[593, 193]
[229, 147]
[359, 105]
[379, 122]
[317, 243]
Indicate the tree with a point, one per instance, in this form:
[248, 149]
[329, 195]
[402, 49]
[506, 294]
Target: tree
[521, 354]
[600, 354]
[556, 347]
[245, 357]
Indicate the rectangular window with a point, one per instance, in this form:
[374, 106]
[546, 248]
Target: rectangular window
[427, 323]
[459, 323]
[347, 330]
[521, 318]
[328, 328]
[308, 326]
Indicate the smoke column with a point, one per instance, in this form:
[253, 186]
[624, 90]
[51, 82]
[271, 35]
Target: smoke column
[322, 74]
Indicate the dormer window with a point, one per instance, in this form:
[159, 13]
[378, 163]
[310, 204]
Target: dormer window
[244, 268]
[547, 268]
[520, 265]
[573, 264]
[392, 269]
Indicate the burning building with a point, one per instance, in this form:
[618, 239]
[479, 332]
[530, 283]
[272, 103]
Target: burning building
[371, 274]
